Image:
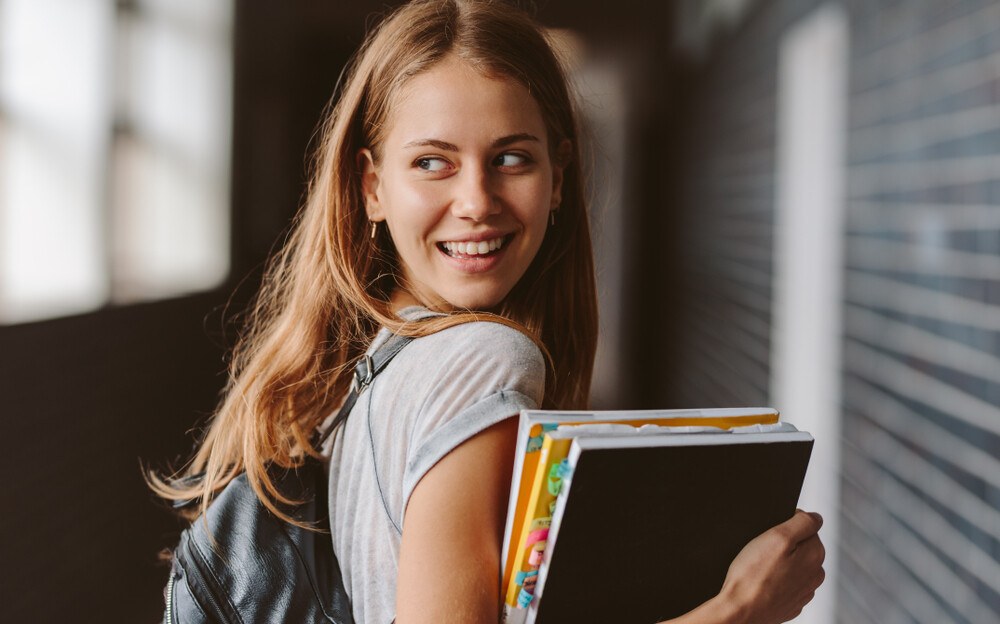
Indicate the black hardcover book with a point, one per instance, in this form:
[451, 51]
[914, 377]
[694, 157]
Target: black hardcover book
[646, 527]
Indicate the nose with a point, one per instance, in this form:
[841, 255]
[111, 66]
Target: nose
[474, 197]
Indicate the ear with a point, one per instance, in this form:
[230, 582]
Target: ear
[370, 185]
[563, 155]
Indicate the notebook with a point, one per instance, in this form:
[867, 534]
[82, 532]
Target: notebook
[645, 526]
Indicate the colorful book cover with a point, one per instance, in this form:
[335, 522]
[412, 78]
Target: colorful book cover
[534, 529]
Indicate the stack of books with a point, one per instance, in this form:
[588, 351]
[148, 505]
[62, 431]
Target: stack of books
[635, 516]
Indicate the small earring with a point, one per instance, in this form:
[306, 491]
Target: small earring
[552, 217]
[374, 227]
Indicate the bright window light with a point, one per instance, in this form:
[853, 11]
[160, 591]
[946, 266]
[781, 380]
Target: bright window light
[114, 152]
[54, 106]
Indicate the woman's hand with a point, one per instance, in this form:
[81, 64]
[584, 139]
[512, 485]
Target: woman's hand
[771, 579]
[776, 574]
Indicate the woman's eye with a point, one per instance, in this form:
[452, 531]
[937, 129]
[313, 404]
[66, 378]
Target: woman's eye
[431, 164]
[510, 160]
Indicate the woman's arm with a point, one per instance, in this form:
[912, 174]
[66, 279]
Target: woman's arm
[449, 560]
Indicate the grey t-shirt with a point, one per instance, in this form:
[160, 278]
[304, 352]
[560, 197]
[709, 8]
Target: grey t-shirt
[438, 392]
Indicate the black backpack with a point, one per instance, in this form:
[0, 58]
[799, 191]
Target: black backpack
[256, 567]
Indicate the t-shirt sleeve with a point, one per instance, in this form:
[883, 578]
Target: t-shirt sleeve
[476, 375]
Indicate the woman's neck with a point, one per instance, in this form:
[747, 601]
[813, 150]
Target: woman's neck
[402, 299]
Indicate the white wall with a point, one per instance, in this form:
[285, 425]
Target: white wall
[809, 217]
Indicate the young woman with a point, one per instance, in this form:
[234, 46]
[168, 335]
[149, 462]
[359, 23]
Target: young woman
[446, 203]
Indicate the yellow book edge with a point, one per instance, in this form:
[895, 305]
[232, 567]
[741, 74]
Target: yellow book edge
[523, 496]
[553, 451]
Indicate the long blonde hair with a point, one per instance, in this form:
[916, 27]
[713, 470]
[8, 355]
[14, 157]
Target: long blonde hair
[327, 291]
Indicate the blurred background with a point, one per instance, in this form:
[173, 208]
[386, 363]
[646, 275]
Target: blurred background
[796, 203]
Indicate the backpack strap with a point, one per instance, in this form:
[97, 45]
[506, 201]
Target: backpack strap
[364, 373]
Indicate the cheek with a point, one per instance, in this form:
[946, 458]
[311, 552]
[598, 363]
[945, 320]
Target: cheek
[421, 195]
[533, 200]
[417, 206]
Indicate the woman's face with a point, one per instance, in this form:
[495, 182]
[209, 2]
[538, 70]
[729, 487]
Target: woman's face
[465, 185]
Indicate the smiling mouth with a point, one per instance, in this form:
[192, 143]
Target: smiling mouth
[473, 249]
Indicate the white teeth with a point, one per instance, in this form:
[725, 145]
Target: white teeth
[473, 248]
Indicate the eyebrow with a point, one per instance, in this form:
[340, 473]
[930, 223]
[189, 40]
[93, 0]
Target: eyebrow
[444, 145]
[514, 138]
[451, 147]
